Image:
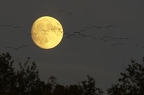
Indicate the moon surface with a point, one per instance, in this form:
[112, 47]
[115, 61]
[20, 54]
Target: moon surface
[46, 32]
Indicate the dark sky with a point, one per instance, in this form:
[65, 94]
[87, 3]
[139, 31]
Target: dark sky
[119, 39]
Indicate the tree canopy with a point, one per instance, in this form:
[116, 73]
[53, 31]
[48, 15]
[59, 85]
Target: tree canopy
[26, 81]
[131, 83]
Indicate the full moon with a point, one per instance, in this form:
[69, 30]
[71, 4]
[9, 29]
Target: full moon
[46, 32]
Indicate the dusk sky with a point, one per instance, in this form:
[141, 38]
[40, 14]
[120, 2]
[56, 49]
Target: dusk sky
[111, 34]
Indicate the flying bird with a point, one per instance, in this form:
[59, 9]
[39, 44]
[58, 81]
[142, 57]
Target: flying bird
[13, 48]
[68, 13]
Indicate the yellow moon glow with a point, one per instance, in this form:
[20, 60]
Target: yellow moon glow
[46, 32]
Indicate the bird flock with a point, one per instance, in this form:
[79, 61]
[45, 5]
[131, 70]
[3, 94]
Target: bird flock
[11, 26]
[17, 48]
[78, 34]
[82, 33]
[14, 27]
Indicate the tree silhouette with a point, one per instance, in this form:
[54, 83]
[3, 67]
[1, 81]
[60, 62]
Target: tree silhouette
[89, 88]
[23, 81]
[26, 81]
[7, 74]
[131, 83]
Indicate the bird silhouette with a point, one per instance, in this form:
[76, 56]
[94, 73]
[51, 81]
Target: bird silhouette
[17, 48]
[13, 48]
[68, 13]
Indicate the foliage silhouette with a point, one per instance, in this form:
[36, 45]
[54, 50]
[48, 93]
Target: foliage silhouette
[89, 88]
[131, 83]
[7, 74]
[26, 81]
[20, 81]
